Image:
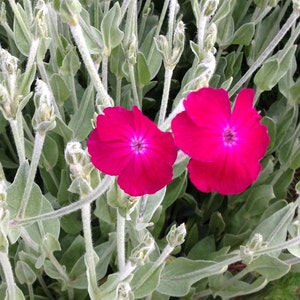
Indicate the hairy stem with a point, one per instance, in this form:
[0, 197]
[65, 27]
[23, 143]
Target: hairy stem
[89, 254]
[279, 36]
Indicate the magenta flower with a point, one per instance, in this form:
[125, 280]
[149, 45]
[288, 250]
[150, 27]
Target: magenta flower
[127, 144]
[225, 146]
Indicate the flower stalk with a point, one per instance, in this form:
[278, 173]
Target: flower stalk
[76, 31]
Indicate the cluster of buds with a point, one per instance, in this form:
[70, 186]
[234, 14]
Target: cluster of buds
[131, 50]
[171, 53]
[176, 235]
[125, 203]
[204, 51]
[82, 171]
[248, 251]
[139, 255]
[39, 26]
[9, 102]
[296, 5]
[44, 116]
[124, 292]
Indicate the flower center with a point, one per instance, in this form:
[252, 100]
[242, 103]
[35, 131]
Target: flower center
[229, 136]
[138, 145]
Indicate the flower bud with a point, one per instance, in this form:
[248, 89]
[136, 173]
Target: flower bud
[69, 9]
[7, 108]
[40, 28]
[296, 5]
[124, 292]
[178, 43]
[3, 186]
[9, 63]
[76, 158]
[256, 242]
[82, 175]
[273, 3]
[210, 7]
[248, 251]
[3, 19]
[44, 116]
[140, 254]
[176, 235]
[171, 56]
[131, 50]
[210, 38]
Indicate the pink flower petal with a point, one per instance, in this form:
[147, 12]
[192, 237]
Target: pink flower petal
[228, 175]
[116, 123]
[109, 157]
[208, 107]
[144, 176]
[201, 143]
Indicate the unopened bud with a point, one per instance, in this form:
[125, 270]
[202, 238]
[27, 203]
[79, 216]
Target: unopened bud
[44, 116]
[124, 292]
[9, 63]
[3, 19]
[176, 235]
[40, 28]
[273, 3]
[140, 254]
[75, 156]
[210, 38]
[171, 56]
[69, 9]
[210, 7]
[3, 186]
[296, 5]
[131, 50]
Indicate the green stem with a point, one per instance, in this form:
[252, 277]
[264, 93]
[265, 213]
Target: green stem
[124, 7]
[89, 254]
[76, 31]
[122, 275]
[285, 28]
[30, 291]
[73, 93]
[8, 274]
[167, 123]
[158, 28]
[121, 240]
[131, 23]
[45, 287]
[19, 141]
[171, 25]
[37, 151]
[201, 26]
[165, 96]
[97, 192]
[133, 85]
[145, 14]
[104, 70]
[279, 247]
[45, 78]
[118, 90]
[62, 273]
[30, 63]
